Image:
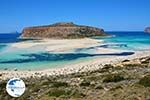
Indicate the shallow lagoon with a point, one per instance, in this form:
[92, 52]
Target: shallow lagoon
[35, 59]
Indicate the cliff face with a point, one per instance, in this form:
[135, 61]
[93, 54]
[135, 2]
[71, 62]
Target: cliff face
[62, 30]
[147, 30]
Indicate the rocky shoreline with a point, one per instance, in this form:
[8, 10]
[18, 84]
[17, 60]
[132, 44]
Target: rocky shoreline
[122, 80]
[73, 68]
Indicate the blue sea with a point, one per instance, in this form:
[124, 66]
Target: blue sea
[128, 40]
[27, 59]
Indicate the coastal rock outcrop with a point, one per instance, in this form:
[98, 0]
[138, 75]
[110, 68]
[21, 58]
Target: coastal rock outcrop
[62, 30]
[147, 30]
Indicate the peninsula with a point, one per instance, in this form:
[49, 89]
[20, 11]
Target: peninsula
[62, 30]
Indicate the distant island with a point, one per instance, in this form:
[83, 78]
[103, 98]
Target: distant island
[147, 30]
[62, 30]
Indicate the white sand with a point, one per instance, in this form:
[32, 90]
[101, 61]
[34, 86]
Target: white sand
[64, 45]
[55, 45]
[93, 64]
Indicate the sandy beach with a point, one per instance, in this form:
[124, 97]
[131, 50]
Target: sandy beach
[64, 46]
[57, 45]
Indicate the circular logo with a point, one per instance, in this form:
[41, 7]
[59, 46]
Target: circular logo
[15, 87]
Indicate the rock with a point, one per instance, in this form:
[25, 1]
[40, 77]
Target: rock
[62, 30]
[147, 30]
[15, 69]
[5, 68]
[126, 60]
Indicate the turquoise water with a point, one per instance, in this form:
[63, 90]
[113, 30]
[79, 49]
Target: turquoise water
[128, 40]
[35, 59]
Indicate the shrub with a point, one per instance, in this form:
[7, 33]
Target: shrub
[113, 78]
[2, 86]
[77, 94]
[98, 87]
[107, 67]
[145, 81]
[58, 92]
[85, 83]
[116, 88]
[59, 84]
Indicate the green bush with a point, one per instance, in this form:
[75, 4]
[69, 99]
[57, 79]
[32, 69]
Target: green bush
[98, 87]
[2, 86]
[113, 78]
[145, 81]
[58, 92]
[85, 83]
[77, 94]
[59, 84]
[116, 88]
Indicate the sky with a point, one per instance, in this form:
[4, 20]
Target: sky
[111, 15]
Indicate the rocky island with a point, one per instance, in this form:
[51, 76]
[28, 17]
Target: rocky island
[62, 30]
[147, 30]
